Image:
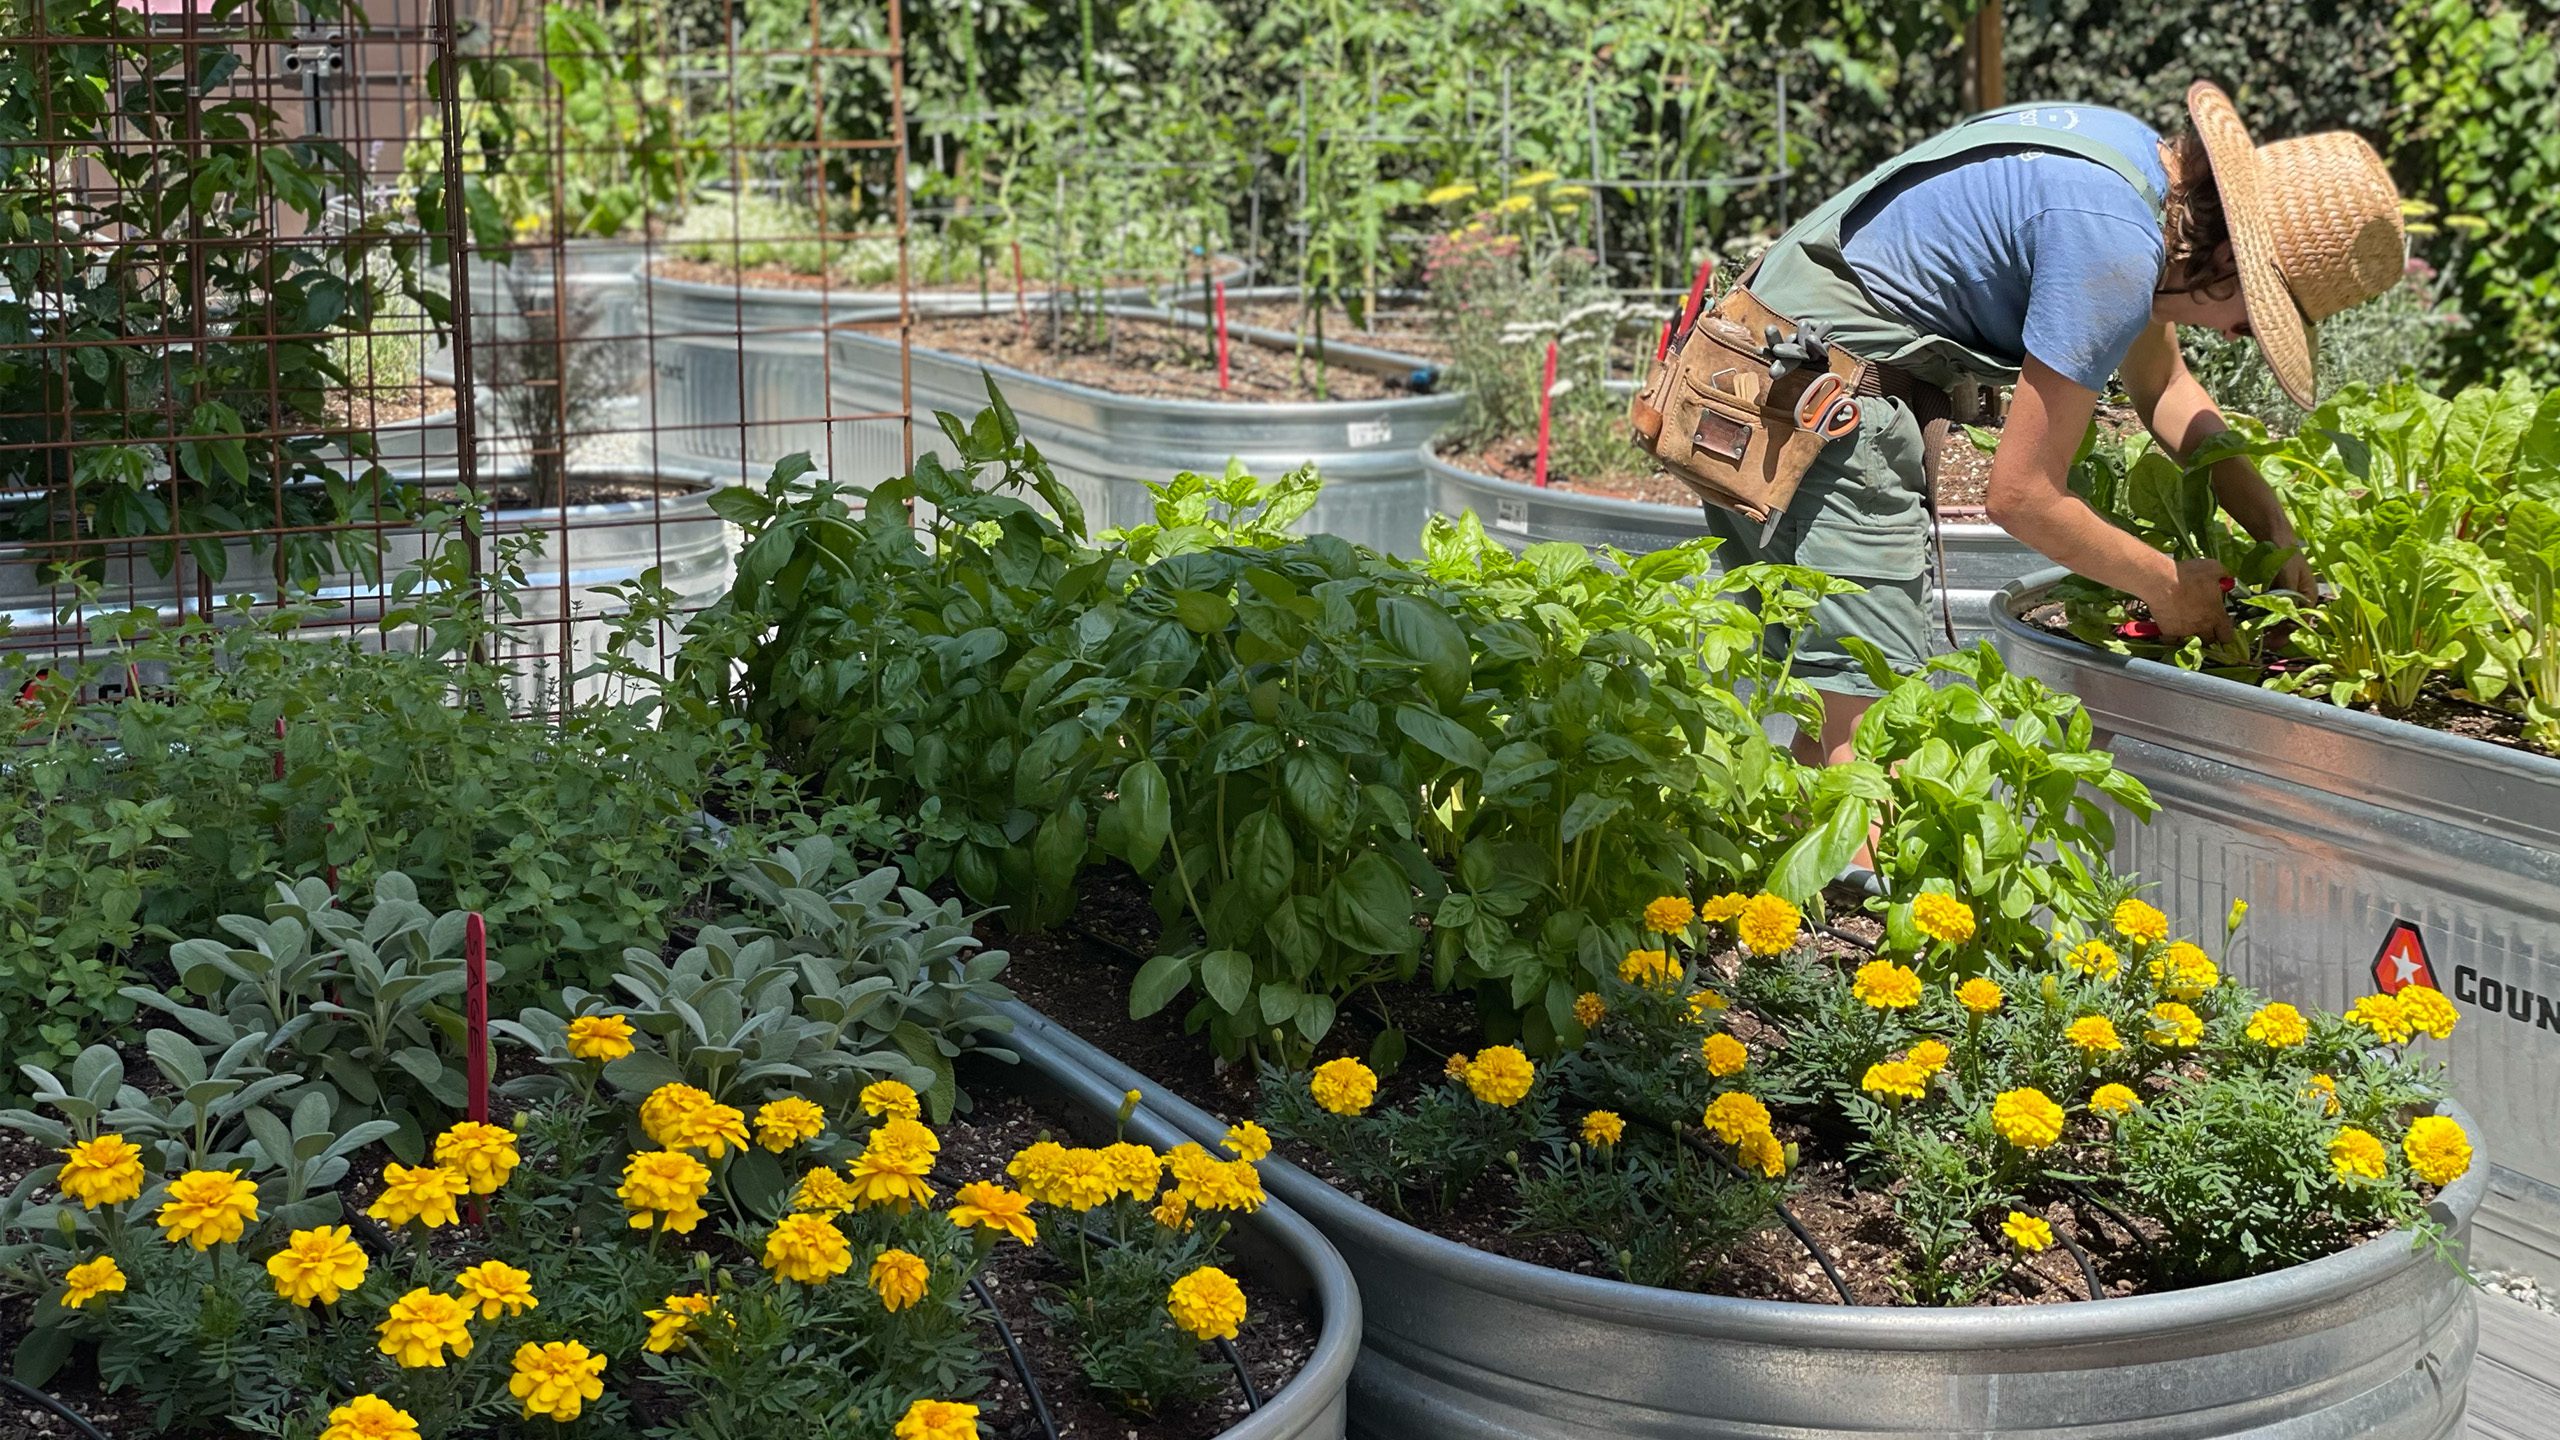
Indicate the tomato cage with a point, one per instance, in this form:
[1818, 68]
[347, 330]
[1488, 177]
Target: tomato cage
[333, 310]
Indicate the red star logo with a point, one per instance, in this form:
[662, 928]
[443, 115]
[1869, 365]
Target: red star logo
[2403, 959]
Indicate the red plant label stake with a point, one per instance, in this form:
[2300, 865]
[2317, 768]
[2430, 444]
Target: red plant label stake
[1222, 334]
[1546, 413]
[475, 1016]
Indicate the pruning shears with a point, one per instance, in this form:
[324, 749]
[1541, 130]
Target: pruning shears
[1827, 409]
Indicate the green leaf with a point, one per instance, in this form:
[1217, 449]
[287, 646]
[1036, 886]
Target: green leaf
[1148, 806]
[1589, 811]
[1373, 907]
[1157, 983]
[1228, 977]
[1818, 856]
[1443, 737]
[1424, 634]
[1265, 860]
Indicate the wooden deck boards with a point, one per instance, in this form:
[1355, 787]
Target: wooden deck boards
[2515, 1385]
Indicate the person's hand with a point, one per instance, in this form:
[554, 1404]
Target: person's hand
[2192, 605]
[2297, 575]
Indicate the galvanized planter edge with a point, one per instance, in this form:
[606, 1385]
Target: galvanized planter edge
[1314, 1405]
[1399, 1376]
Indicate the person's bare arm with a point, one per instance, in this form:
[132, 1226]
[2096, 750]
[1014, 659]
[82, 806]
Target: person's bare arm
[2182, 417]
[2031, 498]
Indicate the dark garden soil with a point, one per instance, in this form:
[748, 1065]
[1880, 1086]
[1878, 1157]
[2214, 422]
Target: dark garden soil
[1274, 1344]
[390, 404]
[997, 284]
[1079, 975]
[1404, 329]
[1147, 358]
[1515, 458]
[2439, 708]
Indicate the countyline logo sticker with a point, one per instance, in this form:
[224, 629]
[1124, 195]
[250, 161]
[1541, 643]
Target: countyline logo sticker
[2402, 960]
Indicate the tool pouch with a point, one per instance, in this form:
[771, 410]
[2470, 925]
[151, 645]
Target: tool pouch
[1712, 417]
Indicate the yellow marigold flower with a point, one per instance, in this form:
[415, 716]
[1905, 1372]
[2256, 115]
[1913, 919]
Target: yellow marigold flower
[807, 1248]
[2029, 1233]
[2437, 1149]
[1723, 907]
[1768, 925]
[500, 1288]
[664, 1188]
[1979, 996]
[2278, 1026]
[891, 1099]
[1603, 1128]
[424, 1193]
[2355, 1153]
[2114, 1100]
[1929, 1055]
[1344, 1086]
[1455, 1067]
[1134, 1169]
[1734, 1114]
[2175, 1027]
[370, 1417]
[1082, 1181]
[421, 1326]
[1884, 985]
[2231, 920]
[1207, 1303]
[2426, 1010]
[1649, 967]
[982, 1205]
[599, 1037]
[556, 1379]
[1703, 1003]
[1215, 1184]
[2185, 972]
[2094, 1034]
[90, 1279]
[1895, 1080]
[1761, 1151]
[1589, 1010]
[822, 1192]
[319, 1264]
[1173, 1211]
[664, 1114]
[2140, 922]
[2382, 1015]
[1248, 1140]
[937, 1420]
[1035, 1166]
[104, 1171]
[901, 1136]
[206, 1208]
[668, 1327]
[894, 1175]
[2325, 1088]
[713, 1129]
[2027, 1118]
[900, 1278]
[789, 1121]
[2096, 958]
[484, 1154]
[1942, 917]
[1669, 914]
[1447, 194]
[1501, 1075]
[1724, 1054]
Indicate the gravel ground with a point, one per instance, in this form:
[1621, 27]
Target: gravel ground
[2521, 1288]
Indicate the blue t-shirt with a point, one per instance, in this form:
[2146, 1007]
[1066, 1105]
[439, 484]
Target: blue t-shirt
[2022, 252]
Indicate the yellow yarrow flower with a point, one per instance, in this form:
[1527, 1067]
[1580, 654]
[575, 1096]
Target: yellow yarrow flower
[664, 1188]
[2426, 1010]
[2382, 1015]
[1980, 996]
[484, 1154]
[2027, 1118]
[891, 1100]
[1734, 1114]
[937, 1420]
[807, 1248]
[1589, 1010]
[2175, 1027]
[104, 1171]
[1603, 1128]
[789, 1121]
[370, 1417]
[1649, 967]
[2140, 922]
[1768, 925]
[669, 1327]
[1895, 1080]
[90, 1279]
[1344, 1086]
[319, 1264]
[421, 1326]
[2114, 1100]
[206, 1208]
[2029, 1234]
[2094, 1035]
[1723, 1054]
[2357, 1154]
[599, 1038]
[1501, 1075]
[1513, 204]
[1534, 179]
[1449, 194]
[1942, 917]
[1247, 1140]
[2094, 958]
[900, 1278]
[1884, 985]
[2278, 1026]
[498, 1287]
[556, 1379]
[1207, 1304]
[1669, 914]
[2437, 1149]
[982, 1205]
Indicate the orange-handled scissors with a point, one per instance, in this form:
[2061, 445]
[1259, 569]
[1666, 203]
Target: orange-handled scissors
[1827, 409]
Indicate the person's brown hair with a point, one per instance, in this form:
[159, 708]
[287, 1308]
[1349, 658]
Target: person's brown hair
[2191, 218]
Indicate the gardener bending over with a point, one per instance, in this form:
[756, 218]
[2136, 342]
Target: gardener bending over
[2050, 247]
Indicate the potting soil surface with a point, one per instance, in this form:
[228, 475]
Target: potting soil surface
[1129, 356]
[1404, 329]
[997, 284]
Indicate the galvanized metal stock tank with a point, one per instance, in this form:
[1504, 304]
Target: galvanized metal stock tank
[1106, 447]
[2372, 1344]
[1275, 1245]
[2334, 825]
[1980, 557]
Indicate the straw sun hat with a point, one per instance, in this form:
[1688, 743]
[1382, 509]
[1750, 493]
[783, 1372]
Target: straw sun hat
[2315, 227]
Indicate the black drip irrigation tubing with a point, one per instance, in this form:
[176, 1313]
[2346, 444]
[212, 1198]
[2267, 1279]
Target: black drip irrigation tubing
[37, 1397]
[1786, 1216]
[1021, 1362]
[2121, 1220]
[1226, 1348]
[2088, 1272]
